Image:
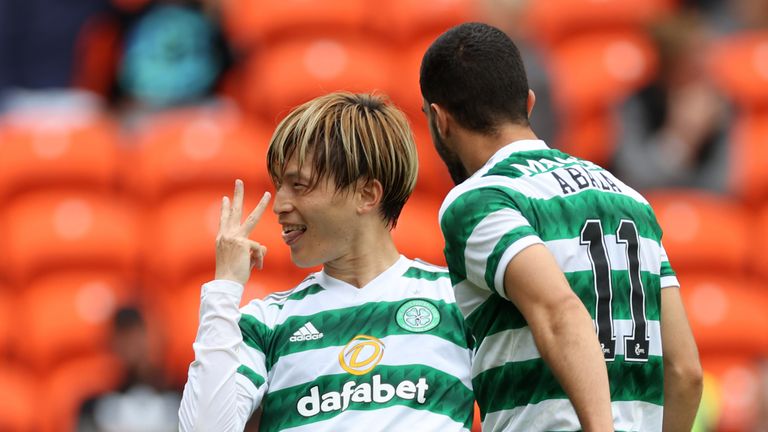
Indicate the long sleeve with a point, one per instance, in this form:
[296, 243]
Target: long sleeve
[227, 380]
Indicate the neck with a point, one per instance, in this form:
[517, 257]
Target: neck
[371, 253]
[476, 149]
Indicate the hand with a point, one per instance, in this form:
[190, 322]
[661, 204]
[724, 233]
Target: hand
[236, 254]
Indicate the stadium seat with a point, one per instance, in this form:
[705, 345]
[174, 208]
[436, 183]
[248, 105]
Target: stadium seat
[555, 20]
[589, 135]
[72, 383]
[176, 313]
[735, 391]
[703, 231]
[296, 70]
[57, 150]
[759, 259]
[726, 312]
[749, 157]
[180, 239]
[68, 314]
[417, 234]
[405, 90]
[19, 400]
[595, 71]
[200, 147]
[7, 320]
[249, 22]
[739, 64]
[406, 20]
[52, 230]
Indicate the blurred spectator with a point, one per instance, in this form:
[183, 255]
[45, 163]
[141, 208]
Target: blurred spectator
[142, 404]
[153, 55]
[674, 130]
[509, 16]
[733, 15]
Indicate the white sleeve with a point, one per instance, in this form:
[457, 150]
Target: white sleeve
[227, 379]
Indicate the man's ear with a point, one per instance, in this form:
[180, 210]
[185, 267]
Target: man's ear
[369, 196]
[530, 102]
[443, 119]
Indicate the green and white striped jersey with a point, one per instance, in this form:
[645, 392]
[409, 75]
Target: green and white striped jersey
[607, 241]
[391, 356]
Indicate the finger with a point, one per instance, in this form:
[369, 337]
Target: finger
[225, 210]
[256, 213]
[257, 254]
[237, 203]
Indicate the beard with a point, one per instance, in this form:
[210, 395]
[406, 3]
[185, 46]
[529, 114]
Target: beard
[450, 159]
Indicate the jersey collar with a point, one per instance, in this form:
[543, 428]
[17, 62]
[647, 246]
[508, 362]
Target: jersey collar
[507, 150]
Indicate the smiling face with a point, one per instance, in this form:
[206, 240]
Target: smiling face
[319, 223]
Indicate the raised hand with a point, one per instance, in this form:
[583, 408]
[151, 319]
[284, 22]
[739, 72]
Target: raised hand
[236, 254]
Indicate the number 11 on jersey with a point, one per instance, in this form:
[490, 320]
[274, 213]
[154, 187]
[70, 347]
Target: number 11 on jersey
[637, 344]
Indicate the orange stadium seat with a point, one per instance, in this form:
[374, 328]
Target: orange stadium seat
[417, 234]
[703, 231]
[248, 22]
[68, 314]
[759, 261]
[57, 150]
[726, 312]
[181, 236]
[19, 400]
[176, 313]
[405, 90]
[296, 70]
[734, 391]
[739, 64]
[405, 20]
[554, 20]
[7, 320]
[53, 230]
[595, 71]
[72, 383]
[749, 153]
[200, 147]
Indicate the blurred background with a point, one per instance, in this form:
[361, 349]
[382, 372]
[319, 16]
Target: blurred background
[123, 122]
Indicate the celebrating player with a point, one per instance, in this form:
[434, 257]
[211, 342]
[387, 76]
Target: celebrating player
[529, 232]
[373, 341]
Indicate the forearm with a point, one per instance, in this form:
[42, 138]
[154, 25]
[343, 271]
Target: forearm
[567, 342]
[682, 394]
[213, 399]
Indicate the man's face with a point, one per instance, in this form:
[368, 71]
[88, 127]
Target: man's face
[319, 225]
[450, 158]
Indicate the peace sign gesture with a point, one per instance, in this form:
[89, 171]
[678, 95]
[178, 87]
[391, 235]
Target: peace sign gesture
[236, 254]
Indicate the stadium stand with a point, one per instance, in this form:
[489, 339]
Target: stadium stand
[295, 70]
[19, 412]
[67, 315]
[76, 149]
[703, 231]
[72, 382]
[198, 147]
[51, 230]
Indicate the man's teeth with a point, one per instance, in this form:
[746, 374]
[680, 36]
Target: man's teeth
[291, 228]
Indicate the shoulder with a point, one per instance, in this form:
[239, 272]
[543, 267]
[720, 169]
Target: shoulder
[270, 307]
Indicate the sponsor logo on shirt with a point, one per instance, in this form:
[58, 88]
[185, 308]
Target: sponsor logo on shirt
[307, 332]
[376, 392]
[360, 355]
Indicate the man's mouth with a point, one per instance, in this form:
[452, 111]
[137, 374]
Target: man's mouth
[291, 233]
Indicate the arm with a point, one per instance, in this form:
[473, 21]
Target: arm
[682, 370]
[216, 397]
[228, 377]
[563, 332]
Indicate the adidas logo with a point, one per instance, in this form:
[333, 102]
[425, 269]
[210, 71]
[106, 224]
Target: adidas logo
[307, 332]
